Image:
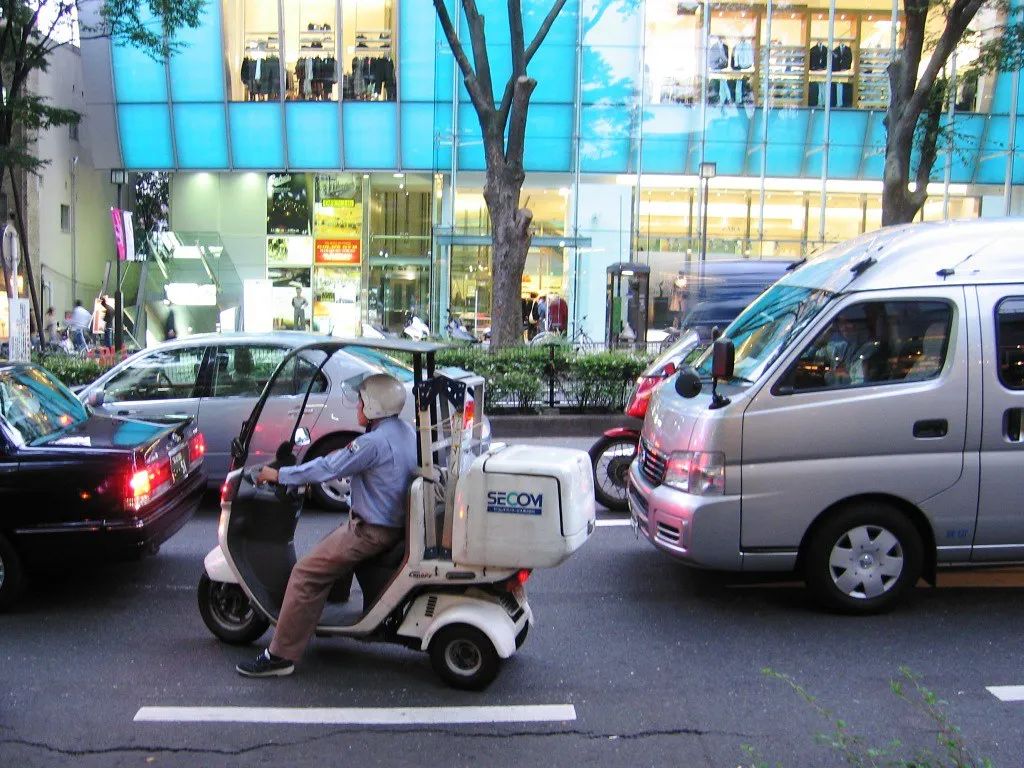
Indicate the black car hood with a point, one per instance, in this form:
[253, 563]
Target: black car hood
[100, 431]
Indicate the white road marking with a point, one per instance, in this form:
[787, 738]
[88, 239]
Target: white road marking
[1007, 692]
[359, 715]
[611, 523]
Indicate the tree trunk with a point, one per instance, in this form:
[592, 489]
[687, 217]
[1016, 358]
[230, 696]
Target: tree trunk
[19, 219]
[510, 242]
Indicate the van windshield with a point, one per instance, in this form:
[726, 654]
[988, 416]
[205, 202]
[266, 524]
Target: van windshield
[763, 329]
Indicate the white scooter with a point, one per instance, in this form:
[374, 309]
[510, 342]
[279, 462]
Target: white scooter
[477, 526]
[416, 329]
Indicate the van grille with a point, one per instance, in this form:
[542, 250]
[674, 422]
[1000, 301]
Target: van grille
[668, 533]
[652, 464]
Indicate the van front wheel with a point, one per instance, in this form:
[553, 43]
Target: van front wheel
[863, 559]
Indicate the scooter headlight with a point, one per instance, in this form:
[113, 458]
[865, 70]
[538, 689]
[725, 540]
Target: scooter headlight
[701, 473]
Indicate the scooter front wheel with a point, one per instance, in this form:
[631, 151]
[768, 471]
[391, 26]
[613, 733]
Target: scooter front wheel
[611, 457]
[464, 657]
[228, 613]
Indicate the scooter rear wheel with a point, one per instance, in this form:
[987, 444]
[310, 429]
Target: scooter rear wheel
[228, 613]
[464, 657]
[611, 457]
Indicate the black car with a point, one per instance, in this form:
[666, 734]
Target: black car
[76, 484]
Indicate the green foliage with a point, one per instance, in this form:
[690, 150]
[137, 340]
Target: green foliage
[855, 751]
[602, 380]
[74, 371]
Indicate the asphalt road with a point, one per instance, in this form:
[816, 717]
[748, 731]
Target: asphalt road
[662, 665]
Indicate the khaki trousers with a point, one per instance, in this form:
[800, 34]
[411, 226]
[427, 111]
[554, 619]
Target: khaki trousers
[337, 554]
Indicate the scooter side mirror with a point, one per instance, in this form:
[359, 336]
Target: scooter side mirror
[687, 383]
[723, 359]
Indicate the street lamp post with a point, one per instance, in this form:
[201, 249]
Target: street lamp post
[118, 176]
[707, 172]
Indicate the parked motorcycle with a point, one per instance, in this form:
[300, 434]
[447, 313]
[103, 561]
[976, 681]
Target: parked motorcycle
[415, 328]
[612, 454]
[457, 331]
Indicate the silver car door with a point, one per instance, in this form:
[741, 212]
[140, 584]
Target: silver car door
[239, 372]
[820, 432]
[162, 383]
[1000, 534]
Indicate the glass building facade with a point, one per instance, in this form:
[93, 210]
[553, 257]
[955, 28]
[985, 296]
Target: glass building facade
[350, 120]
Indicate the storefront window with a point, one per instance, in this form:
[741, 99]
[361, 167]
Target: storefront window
[672, 53]
[732, 55]
[840, 93]
[337, 253]
[252, 37]
[784, 58]
[368, 51]
[785, 223]
[875, 43]
[289, 249]
[401, 214]
[310, 51]
[844, 217]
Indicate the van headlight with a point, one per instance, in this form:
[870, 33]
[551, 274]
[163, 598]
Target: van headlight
[698, 472]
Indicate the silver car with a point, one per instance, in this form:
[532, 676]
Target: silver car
[217, 378]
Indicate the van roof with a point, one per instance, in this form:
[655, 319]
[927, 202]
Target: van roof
[919, 255]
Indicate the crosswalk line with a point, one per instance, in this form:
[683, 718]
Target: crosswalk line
[359, 715]
[1007, 692]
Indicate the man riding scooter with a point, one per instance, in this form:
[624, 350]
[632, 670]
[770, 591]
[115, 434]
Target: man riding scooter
[381, 465]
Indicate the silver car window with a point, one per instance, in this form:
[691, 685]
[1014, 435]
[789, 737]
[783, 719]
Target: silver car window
[242, 370]
[165, 374]
[1010, 342]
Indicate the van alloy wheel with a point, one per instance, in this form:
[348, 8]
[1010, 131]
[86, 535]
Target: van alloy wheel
[862, 558]
[333, 495]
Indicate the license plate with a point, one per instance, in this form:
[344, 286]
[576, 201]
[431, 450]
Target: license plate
[178, 466]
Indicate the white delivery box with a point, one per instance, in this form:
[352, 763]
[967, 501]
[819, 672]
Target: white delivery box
[523, 506]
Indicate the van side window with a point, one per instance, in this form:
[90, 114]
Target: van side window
[876, 342]
[1010, 342]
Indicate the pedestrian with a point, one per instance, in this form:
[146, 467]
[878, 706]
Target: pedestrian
[532, 318]
[299, 305]
[170, 329]
[108, 322]
[380, 465]
[557, 313]
[80, 319]
[50, 328]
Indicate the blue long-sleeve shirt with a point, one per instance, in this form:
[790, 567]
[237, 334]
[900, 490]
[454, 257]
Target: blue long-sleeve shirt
[380, 463]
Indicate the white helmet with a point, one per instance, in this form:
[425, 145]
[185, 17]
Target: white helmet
[382, 395]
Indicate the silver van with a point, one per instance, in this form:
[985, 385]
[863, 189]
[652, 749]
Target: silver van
[863, 424]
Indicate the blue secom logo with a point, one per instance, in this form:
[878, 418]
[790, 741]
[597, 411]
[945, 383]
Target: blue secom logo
[515, 502]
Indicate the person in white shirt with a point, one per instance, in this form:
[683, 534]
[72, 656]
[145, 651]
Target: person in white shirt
[80, 319]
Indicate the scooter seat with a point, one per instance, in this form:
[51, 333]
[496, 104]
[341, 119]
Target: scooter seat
[374, 574]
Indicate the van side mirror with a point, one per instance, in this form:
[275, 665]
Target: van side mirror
[715, 332]
[723, 364]
[687, 383]
[723, 359]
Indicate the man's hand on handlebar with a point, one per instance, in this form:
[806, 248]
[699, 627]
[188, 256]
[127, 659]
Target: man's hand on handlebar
[267, 475]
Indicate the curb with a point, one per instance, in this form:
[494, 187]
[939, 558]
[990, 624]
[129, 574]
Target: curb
[558, 424]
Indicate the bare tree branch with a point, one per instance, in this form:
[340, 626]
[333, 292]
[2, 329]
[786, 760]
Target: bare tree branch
[478, 37]
[468, 76]
[517, 123]
[515, 26]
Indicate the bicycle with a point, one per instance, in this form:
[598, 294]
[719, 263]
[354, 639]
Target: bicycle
[580, 340]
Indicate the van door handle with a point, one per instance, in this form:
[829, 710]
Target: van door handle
[931, 428]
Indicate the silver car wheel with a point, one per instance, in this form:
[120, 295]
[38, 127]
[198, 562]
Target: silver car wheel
[866, 562]
[338, 490]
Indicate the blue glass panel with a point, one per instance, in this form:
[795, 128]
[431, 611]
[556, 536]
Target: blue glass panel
[993, 157]
[787, 129]
[874, 147]
[815, 144]
[604, 140]
[548, 138]
[200, 136]
[312, 134]
[966, 150]
[426, 136]
[563, 30]
[668, 131]
[1002, 93]
[138, 77]
[471, 143]
[554, 66]
[846, 143]
[145, 136]
[371, 135]
[420, 41]
[725, 140]
[612, 22]
[611, 74]
[197, 70]
[257, 139]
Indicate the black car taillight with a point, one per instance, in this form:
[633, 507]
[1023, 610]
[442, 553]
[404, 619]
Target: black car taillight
[196, 447]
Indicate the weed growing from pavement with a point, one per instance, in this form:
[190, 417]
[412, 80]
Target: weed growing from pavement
[855, 751]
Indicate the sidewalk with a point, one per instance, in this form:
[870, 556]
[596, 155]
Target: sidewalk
[558, 424]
